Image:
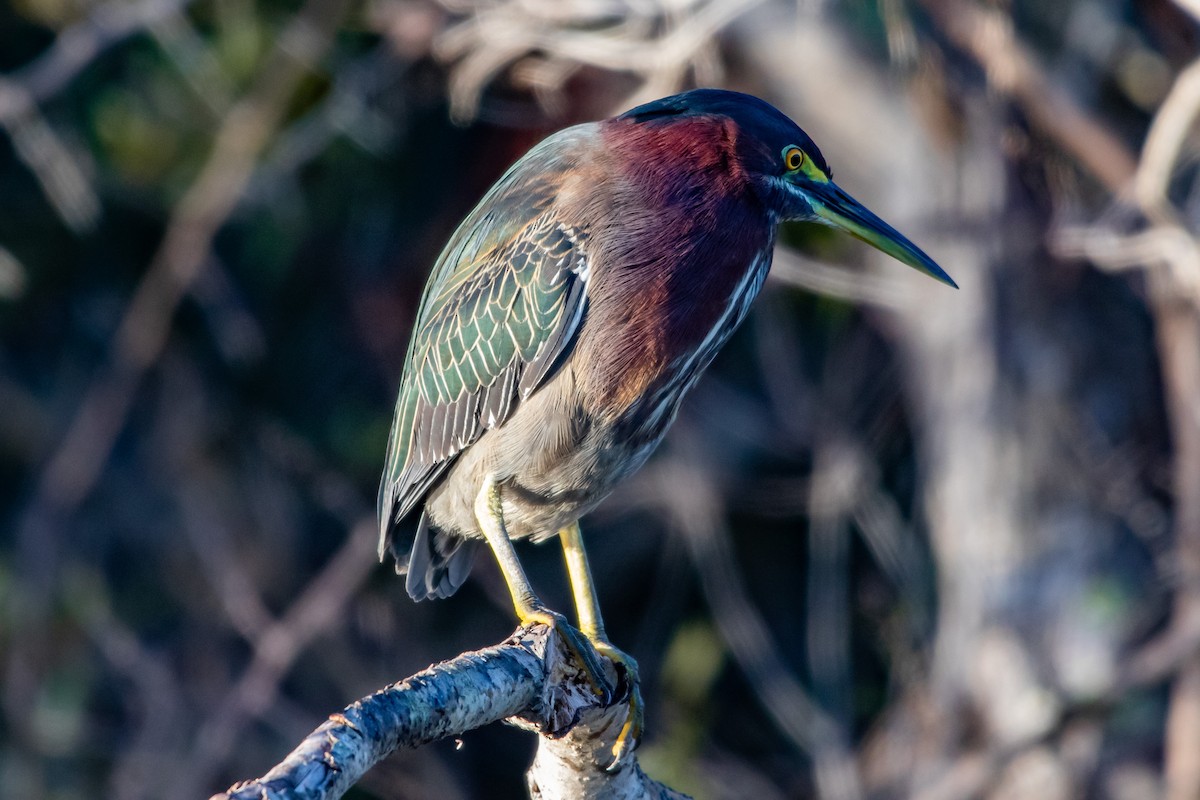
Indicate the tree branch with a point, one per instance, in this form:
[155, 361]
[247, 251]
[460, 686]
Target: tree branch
[528, 677]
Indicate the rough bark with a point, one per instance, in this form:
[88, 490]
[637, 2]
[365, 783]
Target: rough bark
[528, 679]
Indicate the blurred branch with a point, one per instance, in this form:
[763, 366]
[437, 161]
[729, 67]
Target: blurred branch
[216, 559]
[345, 110]
[1171, 256]
[316, 610]
[858, 286]
[1178, 330]
[1167, 247]
[75, 48]
[528, 676]
[62, 176]
[71, 472]
[13, 275]
[64, 181]
[693, 503]
[834, 491]
[657, 41]
[986, 34]
[1158, 661]
[154, 696]
[194, 62]
[1166, 136]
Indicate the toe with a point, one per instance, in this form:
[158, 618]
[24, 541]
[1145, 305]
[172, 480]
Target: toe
[579, 646]
[631, 730]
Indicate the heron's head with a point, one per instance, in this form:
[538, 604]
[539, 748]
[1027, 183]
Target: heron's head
[787, 169]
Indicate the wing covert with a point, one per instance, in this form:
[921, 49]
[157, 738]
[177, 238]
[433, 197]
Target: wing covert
[489, 333]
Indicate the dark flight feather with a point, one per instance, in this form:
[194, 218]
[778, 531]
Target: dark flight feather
[499, 314]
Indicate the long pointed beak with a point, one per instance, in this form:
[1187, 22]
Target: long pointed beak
[835, 207]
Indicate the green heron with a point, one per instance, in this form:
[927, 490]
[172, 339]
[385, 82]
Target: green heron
[569, 314]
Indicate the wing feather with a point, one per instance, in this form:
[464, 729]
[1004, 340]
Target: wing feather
[500, 313]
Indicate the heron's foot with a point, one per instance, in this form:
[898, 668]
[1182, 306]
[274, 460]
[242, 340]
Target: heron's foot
[580, 647]
[627, 675]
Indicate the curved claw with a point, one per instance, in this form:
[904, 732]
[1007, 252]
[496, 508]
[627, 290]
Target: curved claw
[579, 646]
[631, 731]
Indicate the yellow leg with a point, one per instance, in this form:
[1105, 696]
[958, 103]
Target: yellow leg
[587, 606]
[489, 513]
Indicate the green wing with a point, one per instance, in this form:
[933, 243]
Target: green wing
[500, 310]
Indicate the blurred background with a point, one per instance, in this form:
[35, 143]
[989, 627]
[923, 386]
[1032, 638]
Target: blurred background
[903, 542]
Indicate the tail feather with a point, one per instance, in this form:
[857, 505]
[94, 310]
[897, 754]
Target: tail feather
[437, 564]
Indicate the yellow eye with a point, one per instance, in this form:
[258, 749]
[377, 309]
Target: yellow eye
[793, 158]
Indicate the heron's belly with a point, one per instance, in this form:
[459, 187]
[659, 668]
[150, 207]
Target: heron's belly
[553, 463]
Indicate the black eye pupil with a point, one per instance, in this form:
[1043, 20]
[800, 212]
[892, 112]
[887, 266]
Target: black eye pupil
[794, 159]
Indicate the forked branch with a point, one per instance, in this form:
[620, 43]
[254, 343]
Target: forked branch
[528, 679]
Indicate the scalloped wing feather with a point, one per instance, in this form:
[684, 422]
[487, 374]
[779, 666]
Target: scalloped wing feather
[500, 312]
